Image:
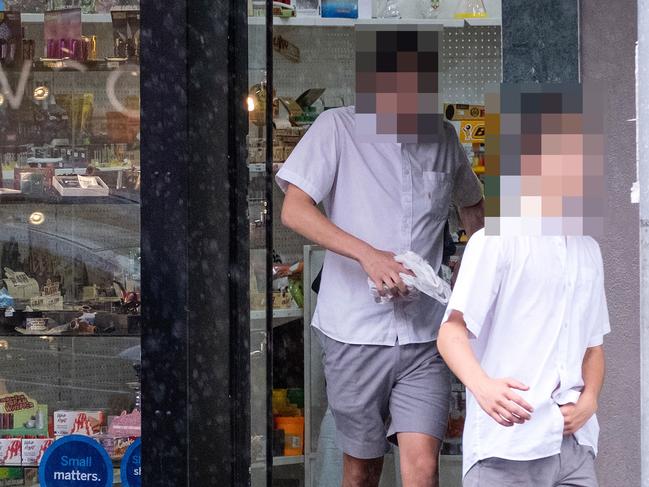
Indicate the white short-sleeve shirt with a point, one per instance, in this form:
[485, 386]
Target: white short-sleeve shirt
[532, 305]
[393, 196]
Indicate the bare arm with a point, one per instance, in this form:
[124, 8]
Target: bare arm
[472, 220]
[495, 396]
[301, 215]
[593, 368]
[472, 217]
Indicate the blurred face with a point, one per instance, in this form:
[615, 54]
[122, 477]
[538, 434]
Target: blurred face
[397, 84]
[544, 161]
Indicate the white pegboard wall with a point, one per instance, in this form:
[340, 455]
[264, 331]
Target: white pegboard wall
[470, 60]
[69, 372]
[327, 60]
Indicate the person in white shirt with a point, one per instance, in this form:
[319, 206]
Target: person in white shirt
[524, 327]
[385, 378]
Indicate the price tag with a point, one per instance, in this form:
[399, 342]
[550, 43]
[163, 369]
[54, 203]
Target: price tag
[76, 460]
[131, 468]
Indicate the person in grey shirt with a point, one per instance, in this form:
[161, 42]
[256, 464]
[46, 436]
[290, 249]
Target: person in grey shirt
[382, 196]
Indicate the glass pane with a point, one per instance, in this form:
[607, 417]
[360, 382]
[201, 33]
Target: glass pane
[259, 219]
[314, 69]
[69, 228]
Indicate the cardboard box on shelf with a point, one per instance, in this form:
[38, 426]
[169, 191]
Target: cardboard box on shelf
[10, 451]
[86, 423]
[33, 450]
[80, 186]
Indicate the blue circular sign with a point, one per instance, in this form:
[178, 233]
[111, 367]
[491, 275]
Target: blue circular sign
[76, 460]
[131, 468]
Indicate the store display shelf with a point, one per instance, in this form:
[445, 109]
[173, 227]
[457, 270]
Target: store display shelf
[113, 199]
[4, 333]
[282, 461]
[487, 22]
[66, 66]
[101, 18]
[279, 315]
[315, 21]
[260, 168]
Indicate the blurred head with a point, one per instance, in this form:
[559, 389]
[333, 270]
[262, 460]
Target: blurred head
[544, 160]
[397, 83]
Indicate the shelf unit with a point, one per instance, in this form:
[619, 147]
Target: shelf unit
[315, 21]
[101, 18]
[261, 167]
[280, 317]
[281, 461]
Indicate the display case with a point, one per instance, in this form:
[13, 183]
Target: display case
[70, 292]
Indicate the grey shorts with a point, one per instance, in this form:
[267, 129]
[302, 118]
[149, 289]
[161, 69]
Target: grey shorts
[574, 467]
[377, 391]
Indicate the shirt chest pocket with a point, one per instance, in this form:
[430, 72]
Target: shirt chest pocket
[437, 192]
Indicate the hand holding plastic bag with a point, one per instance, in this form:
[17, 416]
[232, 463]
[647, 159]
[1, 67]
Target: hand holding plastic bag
[425, 280]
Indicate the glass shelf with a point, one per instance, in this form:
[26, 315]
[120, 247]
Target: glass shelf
[282, 461]
[37, 18]
[55, 199]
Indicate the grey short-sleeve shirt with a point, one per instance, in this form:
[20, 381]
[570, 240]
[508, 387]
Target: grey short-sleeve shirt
[395, 197]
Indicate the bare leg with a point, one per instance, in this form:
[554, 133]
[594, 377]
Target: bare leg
[359, 472]
[419, 459]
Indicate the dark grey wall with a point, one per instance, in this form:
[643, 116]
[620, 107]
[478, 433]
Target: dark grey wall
[540, 41]
[608, 56]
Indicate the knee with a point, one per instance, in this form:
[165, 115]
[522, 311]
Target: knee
[362, 473]
[358, 478]
[425, 469]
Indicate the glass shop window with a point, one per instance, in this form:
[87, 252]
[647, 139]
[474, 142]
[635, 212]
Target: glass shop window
[69, 235]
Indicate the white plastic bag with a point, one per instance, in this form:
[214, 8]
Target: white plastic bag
[425, 280]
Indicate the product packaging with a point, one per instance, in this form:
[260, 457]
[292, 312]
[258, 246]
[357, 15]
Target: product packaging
[86, 6]
[11, 451]
[6, 301]
[364, 9]
[80, 186]
[126, 425]
[293, 428]
[22, 415]
[121, 445]
[62, 28]
[107, 442]
[307, 7]
[33, 180]
[471, 9]
[460, 111]
[20, 286]
[126, 33]
[33, 450]
[340, 8]
[10, 39]
[86, 423]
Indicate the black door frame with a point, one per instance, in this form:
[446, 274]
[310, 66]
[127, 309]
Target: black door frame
[195, 330]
